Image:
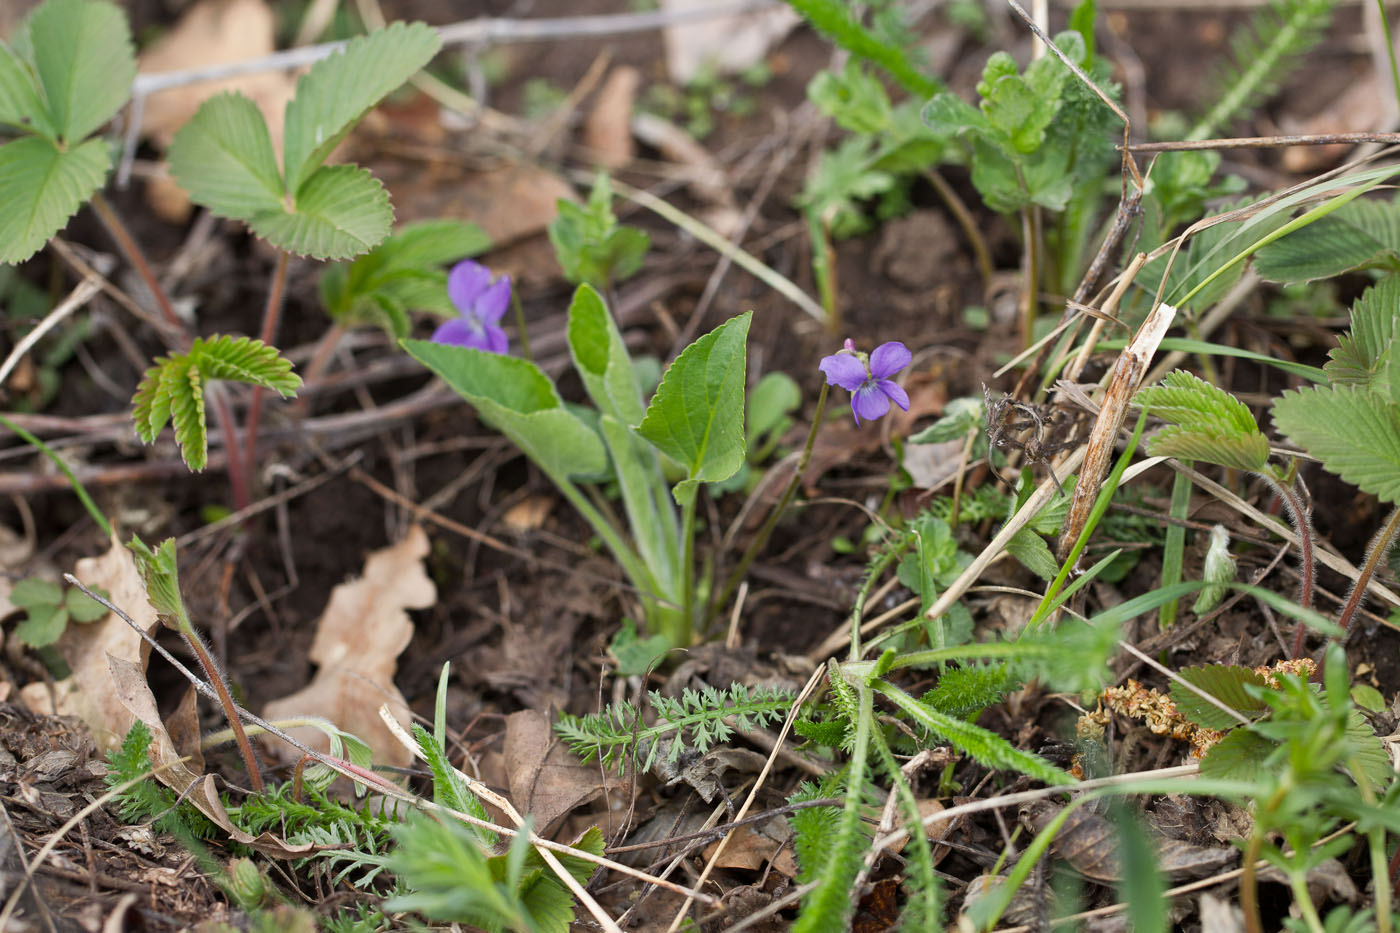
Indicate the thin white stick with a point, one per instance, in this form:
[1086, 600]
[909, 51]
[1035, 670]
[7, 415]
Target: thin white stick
[79, 296]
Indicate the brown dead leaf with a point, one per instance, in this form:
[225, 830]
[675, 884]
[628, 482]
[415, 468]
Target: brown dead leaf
[528, 514]
[752, 846]
[358, 641]
[727, 43]
[87, 693]
[546, 779]
[1089, 843]
[607, 132]
[215, 32]
[512, 201]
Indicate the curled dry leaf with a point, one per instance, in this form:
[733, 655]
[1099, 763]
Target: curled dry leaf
[607, 132]
[752, 846]
[358, 641]
[87, 692]
[547, 780]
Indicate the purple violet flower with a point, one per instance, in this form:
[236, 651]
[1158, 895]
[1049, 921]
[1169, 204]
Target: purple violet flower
[868, 379]
[482, 303]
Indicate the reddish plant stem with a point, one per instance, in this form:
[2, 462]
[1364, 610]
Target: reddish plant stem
[272, 314]
[1380, 546]
[133, 255]
[1302, 522]
[237, 478]
[216, 680]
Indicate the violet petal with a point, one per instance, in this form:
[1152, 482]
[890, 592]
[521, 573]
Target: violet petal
[459, 332]
[491, 304]
[466, 282]
[888, 359]
[497, 342]
[895, 392]
[843, 370]
[869, 402]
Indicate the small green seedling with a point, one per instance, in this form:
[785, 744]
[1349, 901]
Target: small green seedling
[48, 608]
[591, 246]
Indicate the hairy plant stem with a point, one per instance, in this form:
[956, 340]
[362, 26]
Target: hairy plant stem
[216, 680]
[1380, 546]
[217, 399]
[1302, 523]
[1030, 270]
[133, 255]
[771, 522]
[965, 220]
[872, 576]
[272, 314]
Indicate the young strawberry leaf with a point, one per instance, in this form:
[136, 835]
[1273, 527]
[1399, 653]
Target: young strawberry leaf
[21, 102]
[1363, 356]
[223, 157]
[340, 212]
[339, 90]
[41, 187]
[1224, 682]
[697, 415]
[82, 55]
[173, 389]
[1354, 432]
[1207, 423]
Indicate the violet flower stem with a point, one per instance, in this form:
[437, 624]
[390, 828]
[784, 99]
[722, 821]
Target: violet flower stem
[272, 314]
[771, 522]
[1380, 546]
[519, 311]
[132, 251]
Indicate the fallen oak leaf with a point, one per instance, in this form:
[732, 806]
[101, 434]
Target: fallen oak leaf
[358, 641]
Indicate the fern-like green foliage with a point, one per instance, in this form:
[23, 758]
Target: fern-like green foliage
[401, 274]
[1264, 53]
[1206, 423]
[965, 691]
[1353, 425]
[173, 389]
[448, 789]
[696, 719]
[148, 799]
[449, 878]
[354, 842]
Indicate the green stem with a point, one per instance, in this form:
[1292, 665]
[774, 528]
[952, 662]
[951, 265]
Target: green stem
[872, 576]
[1298, 883]
[521, 331]
[771, 522]
[272, 314]
[681, 637]
[1175, 543]
[1375, 844]
[1394, 82]
[1249, 884]
[631, 564]
[1380, 546]
[58, 461]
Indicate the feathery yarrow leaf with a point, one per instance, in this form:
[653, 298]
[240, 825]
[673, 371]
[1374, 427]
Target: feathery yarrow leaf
[696, 718]
[173, 389]
[1207, 423]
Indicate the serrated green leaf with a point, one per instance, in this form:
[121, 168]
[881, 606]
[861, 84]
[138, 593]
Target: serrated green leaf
[1370, 750]
[32, 593]
[1361, 356]
[519, 400]
[43, 625]
[1237, 757]
[41, 187]
[173, 389]
[338, 90]
[340, 211]
[1224, 682]
[243, 359]
[697, 415]
[1034, 553]
[82, 607]
[84, 61]
[986, 746]
[223, 157]
[1355, 433]
[1208, 423]
[21, 103]
[601, 358]
[1361, 234]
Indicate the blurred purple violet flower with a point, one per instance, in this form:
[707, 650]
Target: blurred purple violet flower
[868, 379]
[482, 303]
